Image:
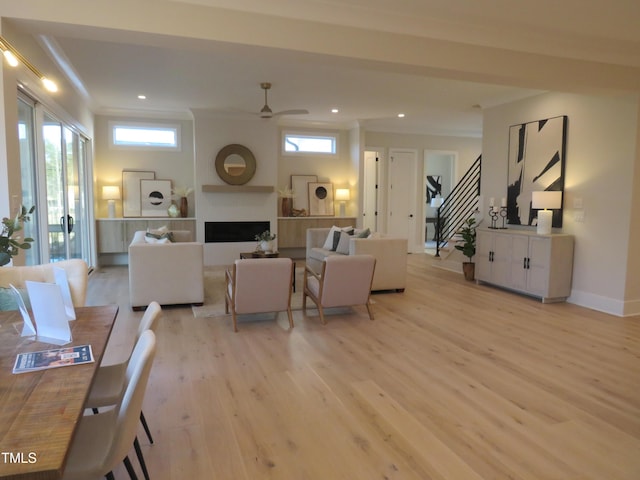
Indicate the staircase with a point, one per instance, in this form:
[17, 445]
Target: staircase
[459, 205]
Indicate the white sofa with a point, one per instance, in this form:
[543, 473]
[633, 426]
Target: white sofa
[168, 273]
[390, 254]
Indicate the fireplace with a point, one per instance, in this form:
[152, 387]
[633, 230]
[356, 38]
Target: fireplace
[222, 232]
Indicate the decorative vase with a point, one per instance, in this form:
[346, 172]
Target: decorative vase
[266, 246]
[173, 210]
[184, 207]
[286, 205]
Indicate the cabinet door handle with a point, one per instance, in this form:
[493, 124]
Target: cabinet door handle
[528, 262]
[524, 263]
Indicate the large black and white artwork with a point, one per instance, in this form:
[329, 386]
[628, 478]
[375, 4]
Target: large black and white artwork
[536, 163]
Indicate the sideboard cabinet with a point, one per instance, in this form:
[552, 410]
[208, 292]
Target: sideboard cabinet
[523, 261]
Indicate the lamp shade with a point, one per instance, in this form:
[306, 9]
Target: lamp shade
[342, 194]
[546, 200]
[436, 202]
[111, 192]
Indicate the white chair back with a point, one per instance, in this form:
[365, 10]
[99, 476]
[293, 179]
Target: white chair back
[130, 405]
[149, 320]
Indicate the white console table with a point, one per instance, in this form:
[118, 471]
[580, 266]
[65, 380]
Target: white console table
[523, 261]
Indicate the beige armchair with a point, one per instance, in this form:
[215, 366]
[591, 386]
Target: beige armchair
[77, 276]
[256, 285]
[169, 273]
[345, 280]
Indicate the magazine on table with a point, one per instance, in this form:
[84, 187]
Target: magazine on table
[57, 357]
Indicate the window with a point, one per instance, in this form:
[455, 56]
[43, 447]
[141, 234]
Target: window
[296, 143]
[145, 136]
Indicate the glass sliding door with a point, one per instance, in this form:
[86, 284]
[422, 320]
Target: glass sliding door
[66, 199]
[27, 142]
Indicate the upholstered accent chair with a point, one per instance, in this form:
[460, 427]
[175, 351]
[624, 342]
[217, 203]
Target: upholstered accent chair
[76, 270]
[345, 280]
[259, 285]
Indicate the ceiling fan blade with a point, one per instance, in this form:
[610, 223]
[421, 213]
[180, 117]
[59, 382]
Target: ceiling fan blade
[292, 112]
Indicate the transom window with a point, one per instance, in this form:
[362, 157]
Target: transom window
[297, 143]
[146, 136]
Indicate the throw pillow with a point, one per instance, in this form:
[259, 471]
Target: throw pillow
[343, 243]
[159, 238]
[364, 233]
[328, 243]
[158, 231]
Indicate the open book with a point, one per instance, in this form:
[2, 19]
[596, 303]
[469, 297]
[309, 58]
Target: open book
[58, 357]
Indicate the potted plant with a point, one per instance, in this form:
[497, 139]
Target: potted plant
[468, 247]
[10, 244]
[265, 241]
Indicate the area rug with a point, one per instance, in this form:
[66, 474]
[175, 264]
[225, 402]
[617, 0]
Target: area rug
[214, 284]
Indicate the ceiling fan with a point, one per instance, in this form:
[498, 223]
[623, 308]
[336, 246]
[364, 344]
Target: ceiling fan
[266, 111]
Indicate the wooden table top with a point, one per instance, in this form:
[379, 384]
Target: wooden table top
[39, 410]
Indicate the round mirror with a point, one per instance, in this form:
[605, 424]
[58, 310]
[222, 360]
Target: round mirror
[235, 164]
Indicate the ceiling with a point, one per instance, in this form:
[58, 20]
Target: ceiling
[179, 74]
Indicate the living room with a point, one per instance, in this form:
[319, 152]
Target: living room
[604, 282]
[451, 379]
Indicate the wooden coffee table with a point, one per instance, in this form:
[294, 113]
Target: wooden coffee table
[245, 255]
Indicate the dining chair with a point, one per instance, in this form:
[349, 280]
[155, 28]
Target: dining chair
[256, 285]
[111, 380]
[103, 440]
[345, 280]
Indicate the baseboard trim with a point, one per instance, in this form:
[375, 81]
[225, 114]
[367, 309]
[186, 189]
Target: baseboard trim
[619, 308]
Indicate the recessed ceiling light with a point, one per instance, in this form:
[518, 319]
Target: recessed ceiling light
[142, 97]
[401, 115]
[334, 110]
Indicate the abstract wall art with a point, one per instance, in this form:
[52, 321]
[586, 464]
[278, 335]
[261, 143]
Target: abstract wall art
[536, 163]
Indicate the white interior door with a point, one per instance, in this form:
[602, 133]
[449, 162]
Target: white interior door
[401, 216]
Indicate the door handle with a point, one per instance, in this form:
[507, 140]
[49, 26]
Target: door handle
[68, 225]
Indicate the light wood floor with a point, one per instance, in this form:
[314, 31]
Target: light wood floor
[452, 380]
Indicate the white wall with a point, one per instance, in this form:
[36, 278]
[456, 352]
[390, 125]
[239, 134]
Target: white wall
[602, 138]
[167, 165]
[212, 133]
[341, 169]
[468, 149]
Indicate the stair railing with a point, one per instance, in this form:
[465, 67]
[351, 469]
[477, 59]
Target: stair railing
[458, 205]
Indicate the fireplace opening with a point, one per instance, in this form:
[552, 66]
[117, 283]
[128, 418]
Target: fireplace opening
[220, 232]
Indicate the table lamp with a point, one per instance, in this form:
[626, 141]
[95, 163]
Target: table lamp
[111, 193]
[436, 202]
[342, 195]
[546, 200]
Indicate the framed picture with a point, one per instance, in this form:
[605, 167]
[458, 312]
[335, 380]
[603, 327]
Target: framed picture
[321, 199]
[131, 191]
[434, 187]
[536, 163]
[155, 197]
[299, 185]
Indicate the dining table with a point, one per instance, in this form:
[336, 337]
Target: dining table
[40, 410]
